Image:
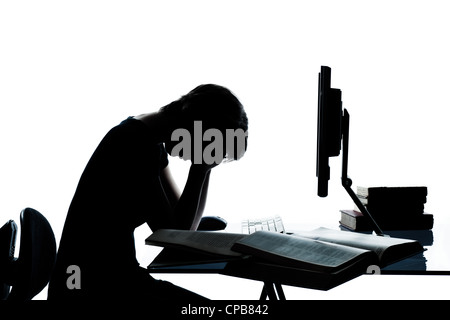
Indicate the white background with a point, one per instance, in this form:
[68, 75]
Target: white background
[71, 70]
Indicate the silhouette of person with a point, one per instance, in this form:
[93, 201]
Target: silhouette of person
[127, 182]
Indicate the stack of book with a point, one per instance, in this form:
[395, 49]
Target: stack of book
[393, 208]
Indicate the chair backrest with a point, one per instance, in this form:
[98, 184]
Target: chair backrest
[8, 234]
[37, 256]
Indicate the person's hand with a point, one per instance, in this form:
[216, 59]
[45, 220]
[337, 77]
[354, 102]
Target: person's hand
[203, 167]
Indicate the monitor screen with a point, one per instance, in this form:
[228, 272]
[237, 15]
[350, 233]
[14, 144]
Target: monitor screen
[329, 131]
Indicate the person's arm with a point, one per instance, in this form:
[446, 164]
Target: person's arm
[202, 203]
[170, 187]
[187, 208]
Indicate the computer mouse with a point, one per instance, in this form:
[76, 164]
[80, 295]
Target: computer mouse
[212, 223]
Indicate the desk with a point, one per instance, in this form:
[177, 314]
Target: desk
[273, 276]
[436, 260]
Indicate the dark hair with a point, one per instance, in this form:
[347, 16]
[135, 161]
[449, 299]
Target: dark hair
[214, 105]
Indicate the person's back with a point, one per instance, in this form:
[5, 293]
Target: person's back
[98, 232]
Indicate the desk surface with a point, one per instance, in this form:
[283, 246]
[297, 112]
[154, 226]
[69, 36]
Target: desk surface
[435, 260]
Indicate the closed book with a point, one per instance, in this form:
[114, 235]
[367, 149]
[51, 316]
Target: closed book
[397, 210]
[356, 221]
[421, 222]
[401, 194]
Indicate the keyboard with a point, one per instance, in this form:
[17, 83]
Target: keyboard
[274, 224]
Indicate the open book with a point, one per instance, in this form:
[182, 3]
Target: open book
[320, 250]
[388, 250]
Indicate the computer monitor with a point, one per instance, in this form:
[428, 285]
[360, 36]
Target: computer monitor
[329, 131]
[333, 127]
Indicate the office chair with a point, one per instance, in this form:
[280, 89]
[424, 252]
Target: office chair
[30, 272]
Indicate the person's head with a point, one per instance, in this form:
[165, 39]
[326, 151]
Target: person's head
[215, 106]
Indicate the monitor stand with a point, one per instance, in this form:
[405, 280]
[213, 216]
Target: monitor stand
[347, 182]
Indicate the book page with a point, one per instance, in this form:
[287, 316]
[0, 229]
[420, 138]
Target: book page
[358, 240]
[208, 241]
[296, 251]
